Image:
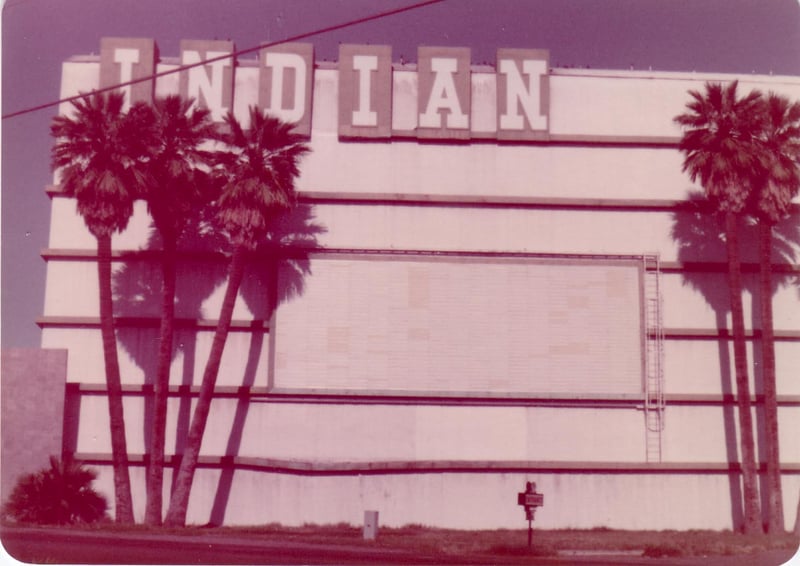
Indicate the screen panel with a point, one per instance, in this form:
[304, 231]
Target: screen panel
[392, 324]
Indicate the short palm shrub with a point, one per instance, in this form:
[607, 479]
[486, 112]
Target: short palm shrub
[59, 495]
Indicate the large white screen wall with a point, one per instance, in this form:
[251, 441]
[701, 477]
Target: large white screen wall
[463, 325]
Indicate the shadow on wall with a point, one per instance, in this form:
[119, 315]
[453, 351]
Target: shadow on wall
[201, 270]
[263, 290]
[700, 236]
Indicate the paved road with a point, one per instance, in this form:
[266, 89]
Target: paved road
[50, 545]
[53, 546]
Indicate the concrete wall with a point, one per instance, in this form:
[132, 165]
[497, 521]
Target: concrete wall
[32, 396]
[608, 182]
[623, 499]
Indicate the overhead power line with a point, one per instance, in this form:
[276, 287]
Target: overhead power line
[231, 55]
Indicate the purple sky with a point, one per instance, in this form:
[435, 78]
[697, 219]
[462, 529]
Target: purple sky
[731, 36]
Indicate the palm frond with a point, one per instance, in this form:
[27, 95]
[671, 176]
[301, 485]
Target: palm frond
[98, 150]
[260, 169]
[780, 159]
[720, 143]
[177, 166]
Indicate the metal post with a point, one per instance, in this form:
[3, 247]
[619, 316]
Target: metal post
[530, 499]
[530, 533]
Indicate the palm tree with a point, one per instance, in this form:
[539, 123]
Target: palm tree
[259, 171]
[719, 146]
[59, 495]
[778, 183]
[99, 155]
[177, 189]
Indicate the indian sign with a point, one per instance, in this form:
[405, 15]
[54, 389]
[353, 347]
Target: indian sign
[367, 80]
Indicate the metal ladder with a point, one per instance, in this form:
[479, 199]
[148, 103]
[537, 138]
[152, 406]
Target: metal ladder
[654, 359]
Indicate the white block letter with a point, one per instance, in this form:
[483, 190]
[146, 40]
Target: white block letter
[279, 62]
[527, 96]
[444, 96]
[126, 58]
[211, 87]
[365, 64]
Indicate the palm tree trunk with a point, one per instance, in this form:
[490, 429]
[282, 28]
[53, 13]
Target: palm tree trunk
[775, 493]
[155, 472]
[179, 502]
[752, 519]
[119, 448]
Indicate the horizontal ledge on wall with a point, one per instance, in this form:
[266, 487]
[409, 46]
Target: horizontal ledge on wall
[174, 390]
[723, 333]
[730, 399]
[263, 326]
[509, 201]
[333, 397]
[80, 254]
[265, 395]
[610, 401]
[305, 467]
[484, 138]
[68, 254]
[410, 199]
[669, 142]
[147, 322]
[722, 267]
[459, 398]
[292, 252]
[432, 199]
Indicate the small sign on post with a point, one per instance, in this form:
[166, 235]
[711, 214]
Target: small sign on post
[530, 500]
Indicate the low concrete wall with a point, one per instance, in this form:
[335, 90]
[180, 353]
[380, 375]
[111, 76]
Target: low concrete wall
[622, 499]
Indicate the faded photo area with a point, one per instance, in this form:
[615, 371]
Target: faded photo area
[360, 264]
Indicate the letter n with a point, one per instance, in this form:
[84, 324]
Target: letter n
[211, 84]
[523, 95]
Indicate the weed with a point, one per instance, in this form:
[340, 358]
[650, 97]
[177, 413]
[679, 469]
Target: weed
[519, 550]
[662, 551]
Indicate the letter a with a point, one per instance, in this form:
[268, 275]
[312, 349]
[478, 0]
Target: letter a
[444, 87]
[444, 96]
